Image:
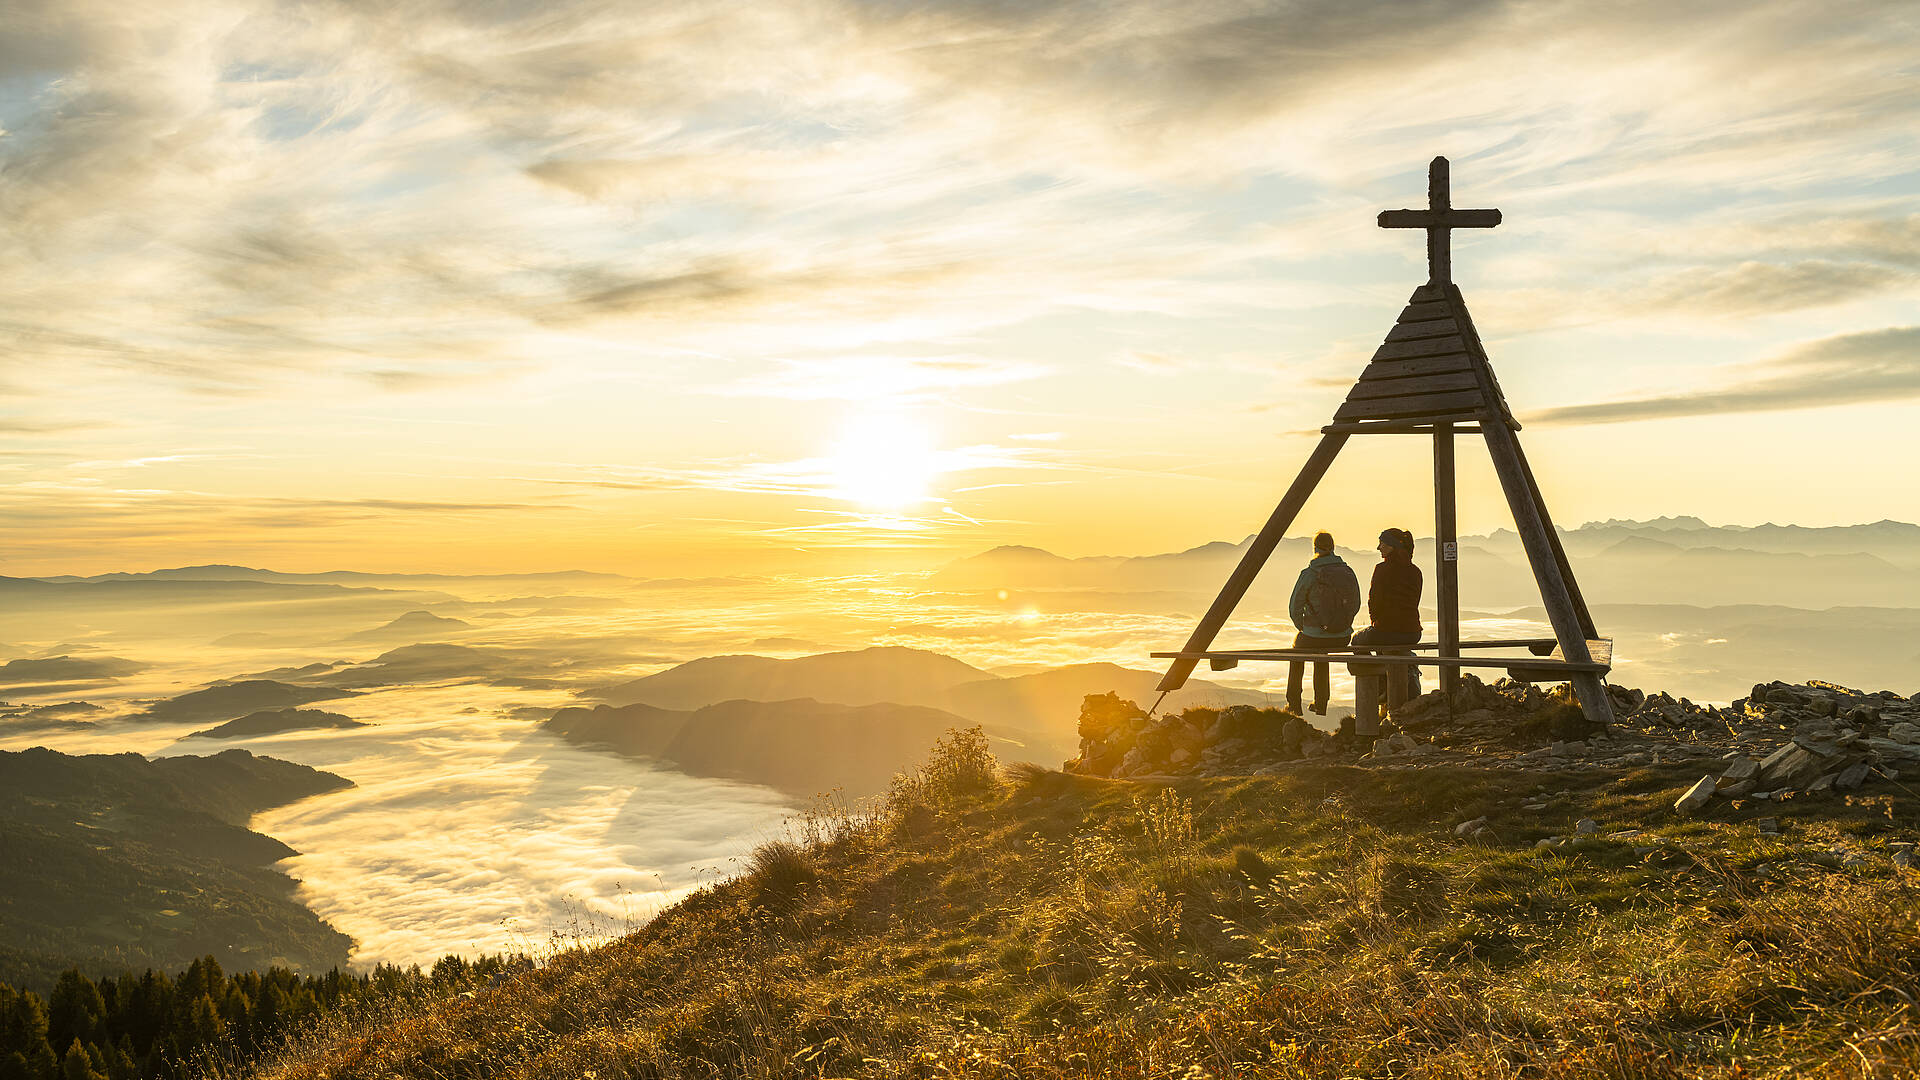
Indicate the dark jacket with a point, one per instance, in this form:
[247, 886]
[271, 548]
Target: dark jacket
[1393, 600]
[1305, 619]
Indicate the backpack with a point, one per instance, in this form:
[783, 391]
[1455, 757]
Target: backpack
[1334, 595]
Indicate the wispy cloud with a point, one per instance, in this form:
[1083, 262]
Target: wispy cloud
[1875, 366]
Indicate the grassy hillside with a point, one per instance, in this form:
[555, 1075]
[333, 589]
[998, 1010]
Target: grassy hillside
[112, 861]
[1321, 922]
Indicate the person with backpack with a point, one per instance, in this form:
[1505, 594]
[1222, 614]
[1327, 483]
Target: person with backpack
[1325, 600]
[1393, 606]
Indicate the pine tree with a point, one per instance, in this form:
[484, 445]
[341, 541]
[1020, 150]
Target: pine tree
[74, 1010]
[77, 1065]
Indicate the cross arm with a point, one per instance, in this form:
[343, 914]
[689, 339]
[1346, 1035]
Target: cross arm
[1427, 219]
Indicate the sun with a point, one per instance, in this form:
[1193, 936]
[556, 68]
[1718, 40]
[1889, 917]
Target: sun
[884, 462]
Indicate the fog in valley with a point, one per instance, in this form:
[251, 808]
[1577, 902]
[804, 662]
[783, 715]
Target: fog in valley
[479, 822]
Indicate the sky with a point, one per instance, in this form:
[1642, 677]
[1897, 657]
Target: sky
[679, 289]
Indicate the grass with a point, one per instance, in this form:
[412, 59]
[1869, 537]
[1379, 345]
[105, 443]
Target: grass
[1318, 923]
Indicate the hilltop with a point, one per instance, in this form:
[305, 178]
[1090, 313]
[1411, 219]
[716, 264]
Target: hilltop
[1328, 918]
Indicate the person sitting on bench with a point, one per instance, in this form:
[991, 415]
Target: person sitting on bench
[1325, 600]
[1393, 606]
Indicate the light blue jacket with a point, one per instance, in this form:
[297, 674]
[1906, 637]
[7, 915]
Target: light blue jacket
[1305, 619]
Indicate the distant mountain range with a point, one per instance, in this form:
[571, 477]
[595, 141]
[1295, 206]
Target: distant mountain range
[1040, 709]
[1668, 560]
[115, 862]
[224, 572]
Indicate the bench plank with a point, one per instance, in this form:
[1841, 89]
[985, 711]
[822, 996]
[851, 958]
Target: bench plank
[1547, 666]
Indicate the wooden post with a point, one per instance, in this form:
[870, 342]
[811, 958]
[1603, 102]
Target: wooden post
[1256, 557]
[1366, 705]
[1523, 501]
[1446, 538]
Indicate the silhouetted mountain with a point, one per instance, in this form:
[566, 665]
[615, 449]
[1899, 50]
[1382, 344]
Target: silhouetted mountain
[52, 672]
[865, 677]
[274, 721]
[65, 715]
[801, 746]
[116, 861]
[413, 626]
[227, 701]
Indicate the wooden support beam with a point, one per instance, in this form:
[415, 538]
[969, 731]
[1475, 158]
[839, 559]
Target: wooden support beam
[1256, 557]
[1559, 551]
[1523, 501]
[1404, 427]
[1447, 558]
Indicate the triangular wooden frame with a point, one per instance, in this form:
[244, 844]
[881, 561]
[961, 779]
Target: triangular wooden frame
[1431, 376]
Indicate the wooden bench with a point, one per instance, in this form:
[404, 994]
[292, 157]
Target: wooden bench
[1545, 663]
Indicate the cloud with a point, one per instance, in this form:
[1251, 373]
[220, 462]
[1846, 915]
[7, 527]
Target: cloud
[1752, 288]
[1873, 366]
[899, 379]
[1150, 363]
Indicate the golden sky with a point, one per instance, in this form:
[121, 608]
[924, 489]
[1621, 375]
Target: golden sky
[677, 289]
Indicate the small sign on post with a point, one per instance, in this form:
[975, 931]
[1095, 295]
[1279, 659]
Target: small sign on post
[1450, 551]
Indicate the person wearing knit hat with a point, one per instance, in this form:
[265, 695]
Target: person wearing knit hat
[1393, 603]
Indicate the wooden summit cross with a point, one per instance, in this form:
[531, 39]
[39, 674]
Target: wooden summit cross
[1432, 376]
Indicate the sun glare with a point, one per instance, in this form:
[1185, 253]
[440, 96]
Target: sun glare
[885, 462]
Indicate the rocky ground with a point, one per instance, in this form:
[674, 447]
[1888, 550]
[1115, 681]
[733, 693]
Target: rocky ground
[1781, 742]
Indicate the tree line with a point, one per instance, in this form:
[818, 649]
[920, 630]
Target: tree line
[136, 1027]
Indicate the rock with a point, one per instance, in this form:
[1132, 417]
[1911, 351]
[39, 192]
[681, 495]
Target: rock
[1768, 826]
[1695, 797]
[1737, 789]
[1483, 835]
[1586, 827]
[1743, 768]
[1790, 765]
[1180, 757]
[1821, 706]
[1466, 828]
[1904, 733]
[1821, 785]
[1852, 776]
[1568, 749]
[1863, 714]
[1887, 748]
[1549, 843]
[1780, 695]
